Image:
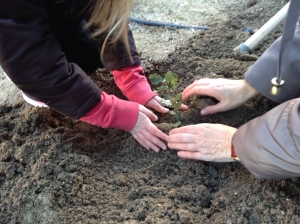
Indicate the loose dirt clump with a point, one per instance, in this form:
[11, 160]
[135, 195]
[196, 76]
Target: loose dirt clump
[57, 170]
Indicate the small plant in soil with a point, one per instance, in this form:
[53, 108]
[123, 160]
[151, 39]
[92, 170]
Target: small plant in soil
[166, 87]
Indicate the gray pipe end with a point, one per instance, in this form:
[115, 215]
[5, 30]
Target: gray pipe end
[239, 50]
[244, 53]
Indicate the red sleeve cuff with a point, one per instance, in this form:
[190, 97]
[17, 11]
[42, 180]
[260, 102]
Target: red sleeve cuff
[111, 112]
[133, 84]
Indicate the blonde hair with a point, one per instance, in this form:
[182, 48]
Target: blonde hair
[111, 17]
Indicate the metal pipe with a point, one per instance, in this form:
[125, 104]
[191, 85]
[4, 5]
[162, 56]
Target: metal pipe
[259, 35]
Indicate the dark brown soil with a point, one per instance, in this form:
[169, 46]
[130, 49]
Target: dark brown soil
[57, 170]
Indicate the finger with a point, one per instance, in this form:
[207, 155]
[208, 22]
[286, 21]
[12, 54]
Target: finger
[189, 90]
[200, 90]
[156, 104]
[185, 129]
[137, 137]
[181, 138]
[153, 146]
[199, 82]
[191, 155]
[148, 113]
[212, 109]
[154, 143]
[184, 107]
[143, 140]
[190, 147]
[200, 156]
[158, 133]
[158, 107]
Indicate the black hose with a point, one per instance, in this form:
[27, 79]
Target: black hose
[151, 23]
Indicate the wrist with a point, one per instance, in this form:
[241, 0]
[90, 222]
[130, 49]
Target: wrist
[251, 92]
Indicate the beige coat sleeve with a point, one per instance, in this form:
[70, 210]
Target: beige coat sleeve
[269, 146]
[260, 74]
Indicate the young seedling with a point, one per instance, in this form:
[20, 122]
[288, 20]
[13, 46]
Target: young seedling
[167, 87]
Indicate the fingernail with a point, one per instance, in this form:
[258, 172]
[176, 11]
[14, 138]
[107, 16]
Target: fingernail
[166, 110]
[203, 112]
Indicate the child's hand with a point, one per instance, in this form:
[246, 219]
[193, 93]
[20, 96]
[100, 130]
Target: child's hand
[155, 104]
[146, 133]
[136, 88]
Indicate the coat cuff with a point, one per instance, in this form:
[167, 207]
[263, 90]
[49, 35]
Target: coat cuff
[111, 112]
[260, 74]
[133, 84]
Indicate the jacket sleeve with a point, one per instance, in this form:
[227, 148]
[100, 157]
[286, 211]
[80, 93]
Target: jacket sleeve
[134, 84]
[260, 74]
[269, 146]
[115, 56]
[31, 56]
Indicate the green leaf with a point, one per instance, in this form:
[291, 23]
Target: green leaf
[178, 116]
[168, 97]
[168, 88]
[170, 85]
[172, 112]
[176, 101]
[179, 97]
[155, 79]
[171, 79]
[177, 105]
[162, 89]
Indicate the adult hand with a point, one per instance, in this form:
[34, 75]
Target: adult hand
[146, 133]
[230, 93]
[208, 142]
[155, 104]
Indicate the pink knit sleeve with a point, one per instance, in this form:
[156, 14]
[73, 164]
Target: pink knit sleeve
[112, 112]
[133, 84]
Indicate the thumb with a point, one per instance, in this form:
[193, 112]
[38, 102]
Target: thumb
[212, 109]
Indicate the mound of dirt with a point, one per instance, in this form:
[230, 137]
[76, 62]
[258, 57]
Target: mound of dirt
[57, 170]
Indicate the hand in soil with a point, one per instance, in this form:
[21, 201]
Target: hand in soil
[208, 142]
[230, 93]
[146, 133]
[155, 103]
